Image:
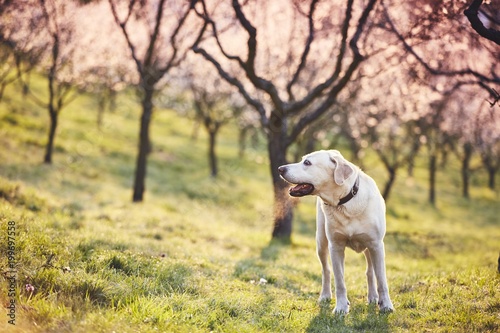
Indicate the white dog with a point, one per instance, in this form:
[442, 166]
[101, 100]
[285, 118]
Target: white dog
[350, 212]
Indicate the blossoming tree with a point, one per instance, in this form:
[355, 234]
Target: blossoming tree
[289, 69]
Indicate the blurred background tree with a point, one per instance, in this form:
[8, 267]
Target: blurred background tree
[290, 68]
[157, 42]
[43, 33]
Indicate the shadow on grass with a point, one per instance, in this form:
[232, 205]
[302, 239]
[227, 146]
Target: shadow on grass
[258, 267]
[274, 248]
[361, 318]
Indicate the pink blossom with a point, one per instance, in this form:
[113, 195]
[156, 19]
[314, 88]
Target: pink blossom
[29, 288]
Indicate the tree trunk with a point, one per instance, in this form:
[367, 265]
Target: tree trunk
[491, 178]
[52, 134]
[101, 107]
[195, 131]
[53, 112]
[310, 144]
[389, 183]
[242, 142]
[465, 169]
[283, 210]
[432, 179]
[444, 158]
[411, 166]
[411, 159]
[212, 157]
[355, 151]
[2, 89]
[144, 146]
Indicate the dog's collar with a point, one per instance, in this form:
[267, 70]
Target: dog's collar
[352, 193]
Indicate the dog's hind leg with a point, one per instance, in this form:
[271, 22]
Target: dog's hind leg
[370, 279]
[377, 255]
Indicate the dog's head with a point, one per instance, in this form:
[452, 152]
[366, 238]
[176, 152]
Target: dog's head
[319, 172]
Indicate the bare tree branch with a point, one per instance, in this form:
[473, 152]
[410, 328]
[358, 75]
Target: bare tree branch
[123, 26]
[208, 21]
[249, 65]
[148, 58]
[430, 69]
[482, 79]
[174, 60]
[257, 105]
[307, 48]
[337, 88]
[319, 89]
[472, 14]
[235, 82]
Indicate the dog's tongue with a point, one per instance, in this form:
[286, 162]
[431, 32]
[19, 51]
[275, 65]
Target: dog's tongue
[301, 190]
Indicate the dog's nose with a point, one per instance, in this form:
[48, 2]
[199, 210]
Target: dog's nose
[282, 170]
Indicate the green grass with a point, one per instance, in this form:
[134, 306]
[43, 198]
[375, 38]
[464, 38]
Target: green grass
[192, 256]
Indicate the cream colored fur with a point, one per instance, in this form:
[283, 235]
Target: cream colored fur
[358, 224]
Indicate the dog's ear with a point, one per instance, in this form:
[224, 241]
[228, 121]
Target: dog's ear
[341, 171]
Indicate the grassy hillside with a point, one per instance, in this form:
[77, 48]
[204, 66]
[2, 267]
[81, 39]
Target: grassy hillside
[196, 256]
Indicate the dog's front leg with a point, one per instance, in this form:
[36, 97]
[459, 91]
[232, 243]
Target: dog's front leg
[377, 255]
[326, 287]
[322, 249]
[342, 303]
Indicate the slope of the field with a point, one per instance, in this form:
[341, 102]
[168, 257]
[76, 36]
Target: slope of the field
[196, 254]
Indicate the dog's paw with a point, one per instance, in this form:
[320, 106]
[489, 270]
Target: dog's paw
[341, 308]
[386, 306]
[325, 298]
[341, 311]
[387, 309]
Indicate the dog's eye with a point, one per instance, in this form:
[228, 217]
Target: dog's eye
[307, 162]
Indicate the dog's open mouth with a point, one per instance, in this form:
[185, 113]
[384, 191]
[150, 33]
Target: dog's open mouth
[301, 189]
